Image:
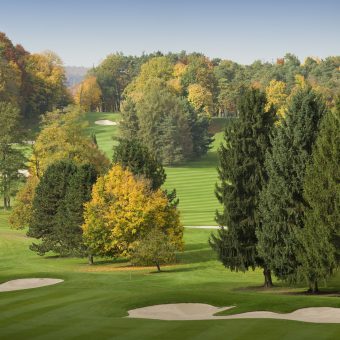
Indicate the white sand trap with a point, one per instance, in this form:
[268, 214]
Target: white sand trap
[27, 284]
[202, 227]
[24, 172]
[105, 122]
[198, 311]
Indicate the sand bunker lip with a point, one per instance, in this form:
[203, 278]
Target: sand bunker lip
[105, 122]
[198, 311]
[21, 284]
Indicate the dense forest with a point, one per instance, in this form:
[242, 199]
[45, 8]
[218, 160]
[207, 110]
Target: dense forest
[37, 82]
[211, 85]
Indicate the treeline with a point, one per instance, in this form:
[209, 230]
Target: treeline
[167, 100]
[280, 190]
[35, 83]
[212, 85]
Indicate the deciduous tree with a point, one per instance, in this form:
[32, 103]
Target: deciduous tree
[11, 157]
[154, 249]
[124, 209]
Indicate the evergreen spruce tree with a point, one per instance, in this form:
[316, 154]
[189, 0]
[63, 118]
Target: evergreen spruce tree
[70, 213]
[199, 127]
[129, 126]
[48, 198]
[281, 201]
[242, 176]
[171, 150]
[320, 238]
[57, 206]
[131, 154]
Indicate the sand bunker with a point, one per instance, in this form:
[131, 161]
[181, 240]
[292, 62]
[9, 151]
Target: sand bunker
[105, 122]
[24, 172]
[27, 284]
[198, 311]
[202, 227]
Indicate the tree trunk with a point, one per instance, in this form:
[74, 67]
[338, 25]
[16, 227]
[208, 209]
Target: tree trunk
[7, 202]
[315, 287]
[268, 283]
[90, 258]
[158, 267]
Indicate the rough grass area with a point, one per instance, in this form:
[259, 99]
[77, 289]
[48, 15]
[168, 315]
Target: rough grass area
[93, 304]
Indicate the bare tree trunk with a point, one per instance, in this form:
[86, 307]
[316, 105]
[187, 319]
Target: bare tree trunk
[158, 267]
[90, 259]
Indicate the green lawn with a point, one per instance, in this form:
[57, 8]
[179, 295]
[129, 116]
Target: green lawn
[194, 181]
[195, 185]
[92, 305]
[103, 133]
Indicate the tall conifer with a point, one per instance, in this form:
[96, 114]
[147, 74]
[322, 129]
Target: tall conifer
[242, 176]
[281, 201]
[320, 238]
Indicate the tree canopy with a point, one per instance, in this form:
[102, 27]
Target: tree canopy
[124, 209]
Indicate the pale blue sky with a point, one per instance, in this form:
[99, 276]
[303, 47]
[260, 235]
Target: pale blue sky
[83, 32]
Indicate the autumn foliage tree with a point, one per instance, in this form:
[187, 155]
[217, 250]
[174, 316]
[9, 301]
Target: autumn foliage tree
[36, 83]
[61, 137]
[89, 94]
[124, 209]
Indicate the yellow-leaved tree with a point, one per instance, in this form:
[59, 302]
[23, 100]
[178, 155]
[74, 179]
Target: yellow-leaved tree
[276, 93]
[200, 98]
[89, 94]
[123, 210]
[157, 69]
[62, 137]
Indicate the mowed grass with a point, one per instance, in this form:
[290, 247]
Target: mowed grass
[195, 185]
[92, 302]
[194, 180]
[104, 134]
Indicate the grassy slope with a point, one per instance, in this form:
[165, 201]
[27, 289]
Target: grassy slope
[93, 304]
[103, 133]
[194, 181]
[195, 185]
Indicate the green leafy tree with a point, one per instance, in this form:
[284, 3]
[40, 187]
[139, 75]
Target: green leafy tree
[242, 176]
[281, 202]
[154, 249]
[11, 157]
[320, 238]
[163, 124]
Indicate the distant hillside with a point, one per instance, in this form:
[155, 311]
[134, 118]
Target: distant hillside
[75, 74]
